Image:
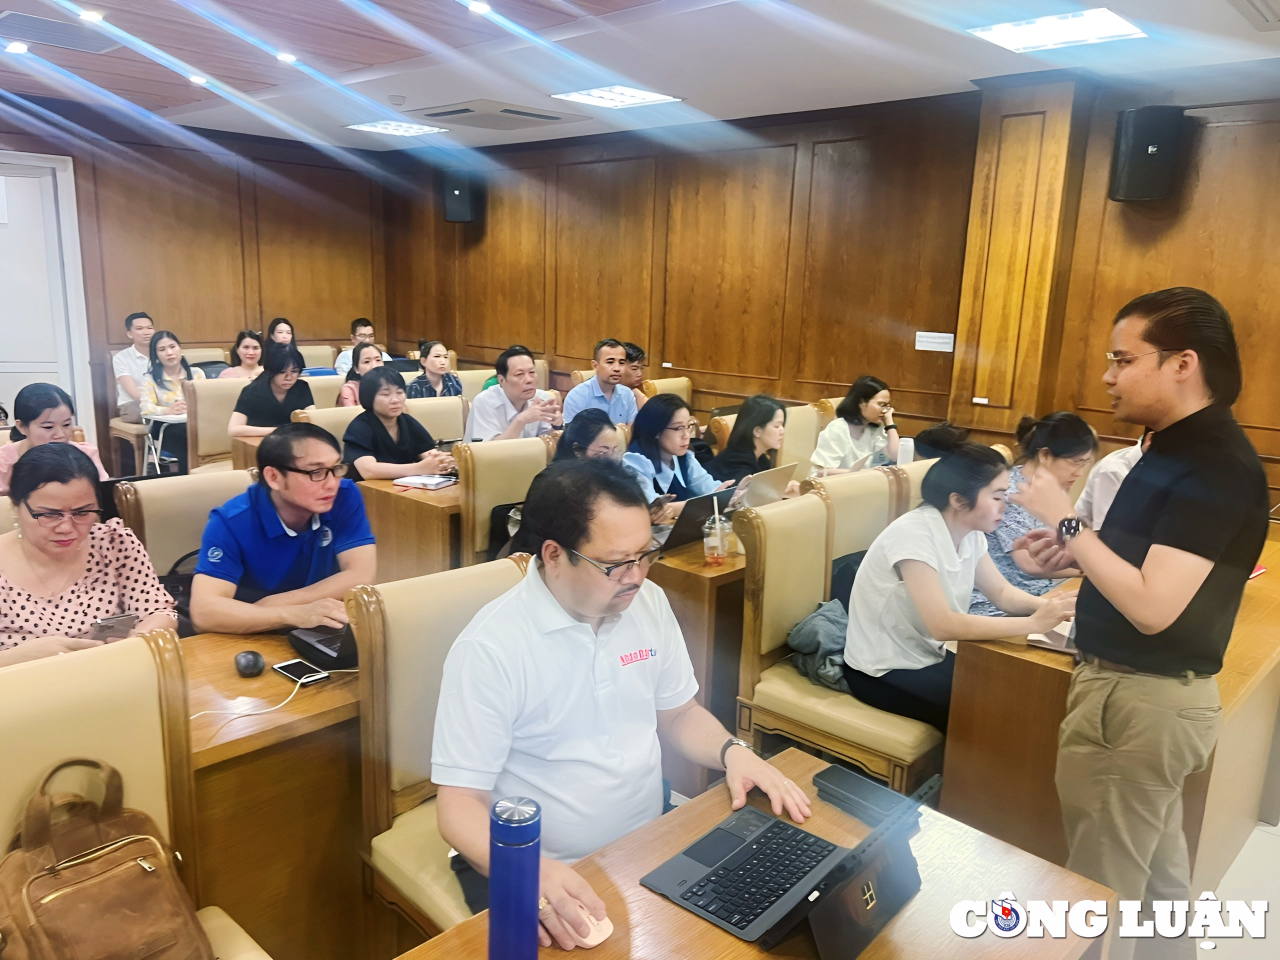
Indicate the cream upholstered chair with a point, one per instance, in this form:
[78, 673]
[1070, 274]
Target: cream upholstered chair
[334, 419]
[786, 580]
[473, 382]
[318, 354]
[7, 519]
[914, 473]
[168, 514]
[827, 410]
[210, 404]
[125, 704]
[580, 376]
[682, 387]
[206, 354]
[804, 423]
[721, 427]
[404, 631]
[490, 474]
[444, 417]
[542, 374]
[1004, 451]
[325, 390]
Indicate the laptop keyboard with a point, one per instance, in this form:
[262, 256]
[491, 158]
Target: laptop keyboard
[760, 873]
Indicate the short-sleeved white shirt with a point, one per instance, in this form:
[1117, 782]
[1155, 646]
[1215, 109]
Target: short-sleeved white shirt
[885, 630]
[492, 412]
[838, 450]
[129, 363]
[1104, 483]
[534, 703]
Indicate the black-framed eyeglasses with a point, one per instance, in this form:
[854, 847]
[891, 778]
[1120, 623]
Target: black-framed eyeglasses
[53, 518]
[320, 474]
[616, 571]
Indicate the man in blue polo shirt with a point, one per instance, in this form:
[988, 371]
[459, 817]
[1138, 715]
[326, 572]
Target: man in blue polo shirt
[604, 391]
[286, 551]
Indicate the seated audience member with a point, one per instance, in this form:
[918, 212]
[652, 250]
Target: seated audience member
[246, 356]
[514, 407]
[1104, 481]
[932, 441]
[604, 391]
[270, 400]
[162, 394]
[589, 435]
[285, 552]
[633, 378]
[280, 331]
[43, 414]
[759, 428]
[863, 427]
[1063, 446]
[436, 379]
[62, 569]
[514, 348]
[367, 357]
[130, 366]
[659, 454]
[361, 332]
[540, 698]
[911, 592]
[384, 442]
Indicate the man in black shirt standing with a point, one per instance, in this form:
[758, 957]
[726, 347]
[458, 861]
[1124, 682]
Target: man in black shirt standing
[1163, 580]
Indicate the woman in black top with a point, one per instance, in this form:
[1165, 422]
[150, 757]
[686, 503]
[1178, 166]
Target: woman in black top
[758, 430]
[384, 442]
[269, 401]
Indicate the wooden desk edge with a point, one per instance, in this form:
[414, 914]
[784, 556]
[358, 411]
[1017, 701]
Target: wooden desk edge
[229, 749]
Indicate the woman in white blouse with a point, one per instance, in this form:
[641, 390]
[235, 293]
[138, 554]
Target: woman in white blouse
[863, 427]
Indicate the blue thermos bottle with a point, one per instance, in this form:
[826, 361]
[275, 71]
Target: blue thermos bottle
[515, 826]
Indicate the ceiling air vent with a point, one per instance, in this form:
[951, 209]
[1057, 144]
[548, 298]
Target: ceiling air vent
[55, 33]
[1262, 14]
[492, 115]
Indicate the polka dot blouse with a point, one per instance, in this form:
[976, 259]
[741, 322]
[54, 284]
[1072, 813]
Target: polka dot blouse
[119, 580]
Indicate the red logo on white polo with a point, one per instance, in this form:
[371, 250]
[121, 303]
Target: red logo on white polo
[647, 653]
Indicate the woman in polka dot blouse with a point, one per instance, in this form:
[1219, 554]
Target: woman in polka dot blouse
[61, 569]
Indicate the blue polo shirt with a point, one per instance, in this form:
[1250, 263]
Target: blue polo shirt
[621, 407]
[246, 543]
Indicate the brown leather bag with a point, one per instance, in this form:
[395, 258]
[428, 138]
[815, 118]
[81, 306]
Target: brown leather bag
[95, 883]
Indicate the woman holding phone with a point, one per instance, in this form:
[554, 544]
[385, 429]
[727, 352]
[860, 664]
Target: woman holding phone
[62, 570]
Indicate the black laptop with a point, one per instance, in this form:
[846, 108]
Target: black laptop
[757, 876]
[688, 526]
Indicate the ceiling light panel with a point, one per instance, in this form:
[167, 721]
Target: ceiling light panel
[1064, 30]
[394, 128]
[616, 97]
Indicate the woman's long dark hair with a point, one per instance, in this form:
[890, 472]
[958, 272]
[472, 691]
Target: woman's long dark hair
[293, 341]
[33, 400]
[863, 389]
[1062, 433]
[757, 411]
[241, 337]
[358, 349]
[157, 368]
[652, 419]
[963, 469]
[50, 463]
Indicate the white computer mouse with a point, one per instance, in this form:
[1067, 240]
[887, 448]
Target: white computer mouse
[600, 930]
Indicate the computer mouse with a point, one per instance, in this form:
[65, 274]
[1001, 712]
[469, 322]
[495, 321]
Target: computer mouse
[601, 930]
[249, 663]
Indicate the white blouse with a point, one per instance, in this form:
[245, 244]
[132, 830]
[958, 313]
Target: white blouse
[838, 450]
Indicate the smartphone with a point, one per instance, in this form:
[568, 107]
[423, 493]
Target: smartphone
[447, 445]
[299, 671]
[113, 628]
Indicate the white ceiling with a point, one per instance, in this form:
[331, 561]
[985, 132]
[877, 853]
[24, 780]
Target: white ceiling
[730, 59]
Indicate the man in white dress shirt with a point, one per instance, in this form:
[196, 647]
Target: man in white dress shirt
[361, 332]
[514, 407]
[130, 366]
[560, 689]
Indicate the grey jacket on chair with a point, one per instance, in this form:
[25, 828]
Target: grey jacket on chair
[818, 641]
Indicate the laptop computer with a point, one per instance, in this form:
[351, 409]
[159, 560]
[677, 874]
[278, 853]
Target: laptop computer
[688, 526]
[757, 876]
[768, 486]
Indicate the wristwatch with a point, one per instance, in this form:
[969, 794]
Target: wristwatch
[890, 426]
[1069, 528]
[731, 742]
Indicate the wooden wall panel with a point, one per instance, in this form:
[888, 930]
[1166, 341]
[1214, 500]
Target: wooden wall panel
[171, 243]
[316, 248]
[420, 257]
[502, 265]
[603, 253]
[728, 235]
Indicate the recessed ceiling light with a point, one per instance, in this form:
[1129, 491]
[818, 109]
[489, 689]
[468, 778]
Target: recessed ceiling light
[16, 47]
[195, 79]
[286, 57]
[478, 6]
[395, 128]
[615, 97]
[1064, 30]
[90, 15]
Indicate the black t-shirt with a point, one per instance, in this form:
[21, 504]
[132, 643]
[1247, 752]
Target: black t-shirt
[262, 409]
[1199, 488]
[736, 464]
[367, 437]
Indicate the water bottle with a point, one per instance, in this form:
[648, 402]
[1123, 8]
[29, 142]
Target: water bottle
[515, 827]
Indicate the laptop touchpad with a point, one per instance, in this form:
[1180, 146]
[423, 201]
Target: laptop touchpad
[714, 847]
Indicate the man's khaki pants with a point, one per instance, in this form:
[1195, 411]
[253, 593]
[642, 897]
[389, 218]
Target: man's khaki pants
[1127, 744]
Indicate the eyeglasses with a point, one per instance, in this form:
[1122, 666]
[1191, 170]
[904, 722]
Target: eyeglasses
[1124, 359]
[365, 337]
[691, 428]
[321, 474]
[616, 571]
[53, 518]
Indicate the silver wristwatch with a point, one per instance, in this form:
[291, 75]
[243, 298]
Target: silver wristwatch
[731, 742]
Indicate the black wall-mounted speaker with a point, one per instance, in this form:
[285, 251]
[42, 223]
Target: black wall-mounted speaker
[1144, 165]
[458, 202]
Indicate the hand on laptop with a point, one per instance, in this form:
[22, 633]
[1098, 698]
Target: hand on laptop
[744, 770]
[564, 888]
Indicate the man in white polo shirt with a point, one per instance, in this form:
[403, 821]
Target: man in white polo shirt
[514, 407]
[560, 688]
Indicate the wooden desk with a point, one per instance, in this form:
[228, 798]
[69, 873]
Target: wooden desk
[707, 602]
[277, 800]
[956, 863]
[418, 531]
[244, 452]
[1008, 701]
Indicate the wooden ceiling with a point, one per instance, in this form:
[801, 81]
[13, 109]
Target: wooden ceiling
[326, 34]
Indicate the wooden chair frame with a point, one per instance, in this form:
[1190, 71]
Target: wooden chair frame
[472, 553]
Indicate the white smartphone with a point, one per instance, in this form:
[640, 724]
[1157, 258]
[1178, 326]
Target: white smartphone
[299, 671]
